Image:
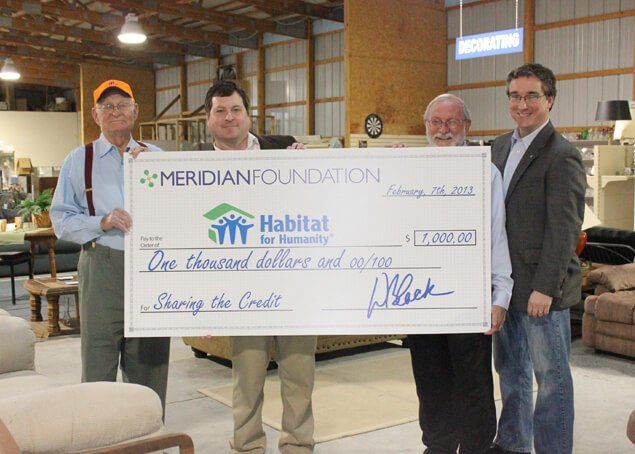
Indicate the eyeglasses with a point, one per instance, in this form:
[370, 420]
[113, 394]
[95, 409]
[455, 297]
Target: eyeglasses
[450, 124]
[110, 108]
[530, 98]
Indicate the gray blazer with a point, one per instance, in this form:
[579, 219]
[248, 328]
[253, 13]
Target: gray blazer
[545, 208]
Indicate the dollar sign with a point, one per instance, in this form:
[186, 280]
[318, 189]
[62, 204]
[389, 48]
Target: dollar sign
[407, 238]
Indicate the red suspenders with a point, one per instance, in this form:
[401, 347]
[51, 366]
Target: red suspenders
[88, 175]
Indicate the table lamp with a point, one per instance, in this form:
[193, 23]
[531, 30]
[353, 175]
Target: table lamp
[612, 111]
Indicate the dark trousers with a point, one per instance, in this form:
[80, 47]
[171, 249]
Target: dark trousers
[453, 374]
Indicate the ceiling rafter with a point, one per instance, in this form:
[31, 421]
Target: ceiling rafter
[115, 21]
[28, 52]
[30, 62]
[78, 32]
[71, 47]
[225, 20]
[334, 13]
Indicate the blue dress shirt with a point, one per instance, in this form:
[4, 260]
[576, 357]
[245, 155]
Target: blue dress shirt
[502, 283]
[69, 210]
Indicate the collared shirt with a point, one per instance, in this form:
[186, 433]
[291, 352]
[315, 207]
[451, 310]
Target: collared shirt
[69, 210]
[252, 143]
[519, 146]
[502, 283]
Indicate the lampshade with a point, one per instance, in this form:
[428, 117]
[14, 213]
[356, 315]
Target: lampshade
[131, 31]
[613, 110]
[23, 166]
[9, 71]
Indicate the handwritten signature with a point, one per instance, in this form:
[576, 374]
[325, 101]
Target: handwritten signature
[398, 292]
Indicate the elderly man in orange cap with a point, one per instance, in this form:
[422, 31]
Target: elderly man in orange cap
[88, 209]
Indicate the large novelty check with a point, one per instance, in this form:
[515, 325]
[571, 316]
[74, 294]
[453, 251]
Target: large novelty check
[308, 242]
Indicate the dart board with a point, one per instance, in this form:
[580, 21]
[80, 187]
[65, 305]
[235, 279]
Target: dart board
[373, 125]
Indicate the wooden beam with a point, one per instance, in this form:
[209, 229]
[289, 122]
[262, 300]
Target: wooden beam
[58, 56]
[262, 109]
[285, 68]
[40, 26]
[168, 107]
[530, 38]
[586, 20]
[599, 73]
[326, 61]
[310, 77]
[333, 99]
[472, 4]
[568, 76]
[106, 20]
[183, 87]
[233, 21]
[334, 13]
[71, 47]
[48, 65]
[498, 132]
[225, 20]
[48, 81]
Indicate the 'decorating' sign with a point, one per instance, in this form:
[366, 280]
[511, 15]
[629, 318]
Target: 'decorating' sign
[487, 44]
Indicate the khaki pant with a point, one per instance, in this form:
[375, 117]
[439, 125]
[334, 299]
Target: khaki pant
[295, 356]
[101, 291]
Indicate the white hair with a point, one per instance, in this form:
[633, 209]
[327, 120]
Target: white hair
[448, 97]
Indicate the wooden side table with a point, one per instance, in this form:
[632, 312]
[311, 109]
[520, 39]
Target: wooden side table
[44, 236]
[51, 289]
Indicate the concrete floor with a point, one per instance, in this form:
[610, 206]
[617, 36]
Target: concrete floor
[604, 396]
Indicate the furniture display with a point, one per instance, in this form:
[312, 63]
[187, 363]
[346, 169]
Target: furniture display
[613, 190]
[51, 289]
[38, 416]
[608, 322]
[218, 346]
[64, 254]
[11, 259]
[609, 246]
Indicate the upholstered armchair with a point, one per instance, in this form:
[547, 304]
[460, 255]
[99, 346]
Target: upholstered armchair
[37, 416]
[609, 315]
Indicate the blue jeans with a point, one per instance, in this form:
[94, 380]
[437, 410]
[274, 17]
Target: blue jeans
[542, 344]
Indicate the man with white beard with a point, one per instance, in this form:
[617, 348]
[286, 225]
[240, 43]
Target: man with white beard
[453, 372]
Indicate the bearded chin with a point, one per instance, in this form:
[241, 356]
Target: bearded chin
[457, 139]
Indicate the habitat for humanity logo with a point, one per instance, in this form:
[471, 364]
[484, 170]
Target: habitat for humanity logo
[149, 178]
[228, 220]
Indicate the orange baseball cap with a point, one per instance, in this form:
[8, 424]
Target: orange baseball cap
[112, 83]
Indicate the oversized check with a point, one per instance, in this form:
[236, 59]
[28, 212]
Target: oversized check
[308, 242]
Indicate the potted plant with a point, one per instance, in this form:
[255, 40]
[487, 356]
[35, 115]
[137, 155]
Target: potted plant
[38, 208]
[10, 198]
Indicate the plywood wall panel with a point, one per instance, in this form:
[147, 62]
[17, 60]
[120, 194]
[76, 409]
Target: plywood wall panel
[141, 81]
[395, 62]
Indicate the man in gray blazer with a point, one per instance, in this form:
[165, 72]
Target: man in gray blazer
[544, 184]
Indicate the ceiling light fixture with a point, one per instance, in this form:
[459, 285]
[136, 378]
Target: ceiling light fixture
[9, 71]
[131, 31]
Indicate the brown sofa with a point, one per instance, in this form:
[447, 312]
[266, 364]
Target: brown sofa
[219, 346]
[609, 315]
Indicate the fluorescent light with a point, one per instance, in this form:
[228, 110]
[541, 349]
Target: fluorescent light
[9, 71]
[131, 31]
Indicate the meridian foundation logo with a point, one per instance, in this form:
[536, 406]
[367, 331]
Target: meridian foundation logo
[228, 221]
[149, 178]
